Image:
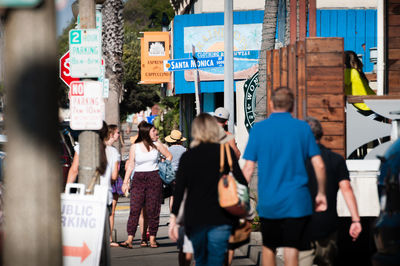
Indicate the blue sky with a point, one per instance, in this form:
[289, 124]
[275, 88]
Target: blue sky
[64, 14]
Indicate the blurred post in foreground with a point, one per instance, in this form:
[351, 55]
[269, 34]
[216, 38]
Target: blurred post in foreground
[33, 172]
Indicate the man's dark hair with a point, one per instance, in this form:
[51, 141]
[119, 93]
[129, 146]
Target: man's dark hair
[220, 120]
[283, 99]
[316, 127]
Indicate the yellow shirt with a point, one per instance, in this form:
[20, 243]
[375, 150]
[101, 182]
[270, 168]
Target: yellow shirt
[355, 85]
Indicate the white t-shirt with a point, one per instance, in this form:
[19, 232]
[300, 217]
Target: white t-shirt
[113, 156]
[145, 161]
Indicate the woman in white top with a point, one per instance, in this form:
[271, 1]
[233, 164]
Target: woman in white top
[146, 188]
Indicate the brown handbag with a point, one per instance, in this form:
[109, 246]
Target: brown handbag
[232, 196]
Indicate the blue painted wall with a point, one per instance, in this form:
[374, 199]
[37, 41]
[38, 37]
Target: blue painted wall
[357, 27]
[183, 86]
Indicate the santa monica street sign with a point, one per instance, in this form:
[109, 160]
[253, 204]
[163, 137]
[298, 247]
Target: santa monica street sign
[189, 63]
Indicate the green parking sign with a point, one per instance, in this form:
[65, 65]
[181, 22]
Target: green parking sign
[75, 37]
[19, 3]
[85, 53]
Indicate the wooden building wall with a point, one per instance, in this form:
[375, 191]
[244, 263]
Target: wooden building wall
[314, 70]
[393, 46]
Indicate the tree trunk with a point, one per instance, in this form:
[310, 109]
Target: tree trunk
[267, 43]
[113, 40]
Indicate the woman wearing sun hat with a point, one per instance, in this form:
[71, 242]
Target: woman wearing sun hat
[176, 148]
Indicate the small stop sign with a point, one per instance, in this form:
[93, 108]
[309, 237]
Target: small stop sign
[65, 73]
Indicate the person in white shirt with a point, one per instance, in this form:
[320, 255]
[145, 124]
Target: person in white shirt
[113, 154]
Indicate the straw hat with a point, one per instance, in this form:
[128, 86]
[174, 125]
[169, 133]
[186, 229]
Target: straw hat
[175, 136]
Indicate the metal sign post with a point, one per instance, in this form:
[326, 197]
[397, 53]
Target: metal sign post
[196, 81]
[228, 69]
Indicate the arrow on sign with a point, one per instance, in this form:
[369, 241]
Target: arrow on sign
[82, 252]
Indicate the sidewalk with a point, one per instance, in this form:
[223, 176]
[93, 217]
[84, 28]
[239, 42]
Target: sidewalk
[167, 253]
[253, 250]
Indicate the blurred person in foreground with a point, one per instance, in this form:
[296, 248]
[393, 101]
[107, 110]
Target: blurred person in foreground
[321, 248]
[281, 145]
[222, 116]
[146, 188]
[206, 223]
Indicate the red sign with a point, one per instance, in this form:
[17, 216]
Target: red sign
[77, 89]
[86, 105]
[65, 73]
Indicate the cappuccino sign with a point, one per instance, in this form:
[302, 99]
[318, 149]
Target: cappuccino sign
[250, 87]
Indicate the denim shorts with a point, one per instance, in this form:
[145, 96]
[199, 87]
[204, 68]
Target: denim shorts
[210, 243]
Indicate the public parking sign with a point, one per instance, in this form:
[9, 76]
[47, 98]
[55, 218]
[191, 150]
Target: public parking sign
[65, 70]
[87, 107]
[85, 53]
[82, 222]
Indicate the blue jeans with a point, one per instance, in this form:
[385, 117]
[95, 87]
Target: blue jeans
[210, 244]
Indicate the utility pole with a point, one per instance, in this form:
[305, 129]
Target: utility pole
[89, 142]
[33, 174]
[228, 63]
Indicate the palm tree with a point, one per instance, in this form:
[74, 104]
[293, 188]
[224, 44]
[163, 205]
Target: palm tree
[267, 43]
[113, 40]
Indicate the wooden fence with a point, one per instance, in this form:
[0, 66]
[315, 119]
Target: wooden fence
[393, 47]
[314, 70]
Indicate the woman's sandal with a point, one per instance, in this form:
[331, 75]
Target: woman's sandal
[144, 243]
[154, 245]
[126, 245]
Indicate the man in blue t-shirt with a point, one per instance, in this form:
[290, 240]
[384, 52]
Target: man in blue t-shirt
[281, 145]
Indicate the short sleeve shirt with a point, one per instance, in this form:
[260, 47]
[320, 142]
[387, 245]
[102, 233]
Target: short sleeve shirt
[113, 156]
[176, 151]
[281, 145]
[324, 223]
